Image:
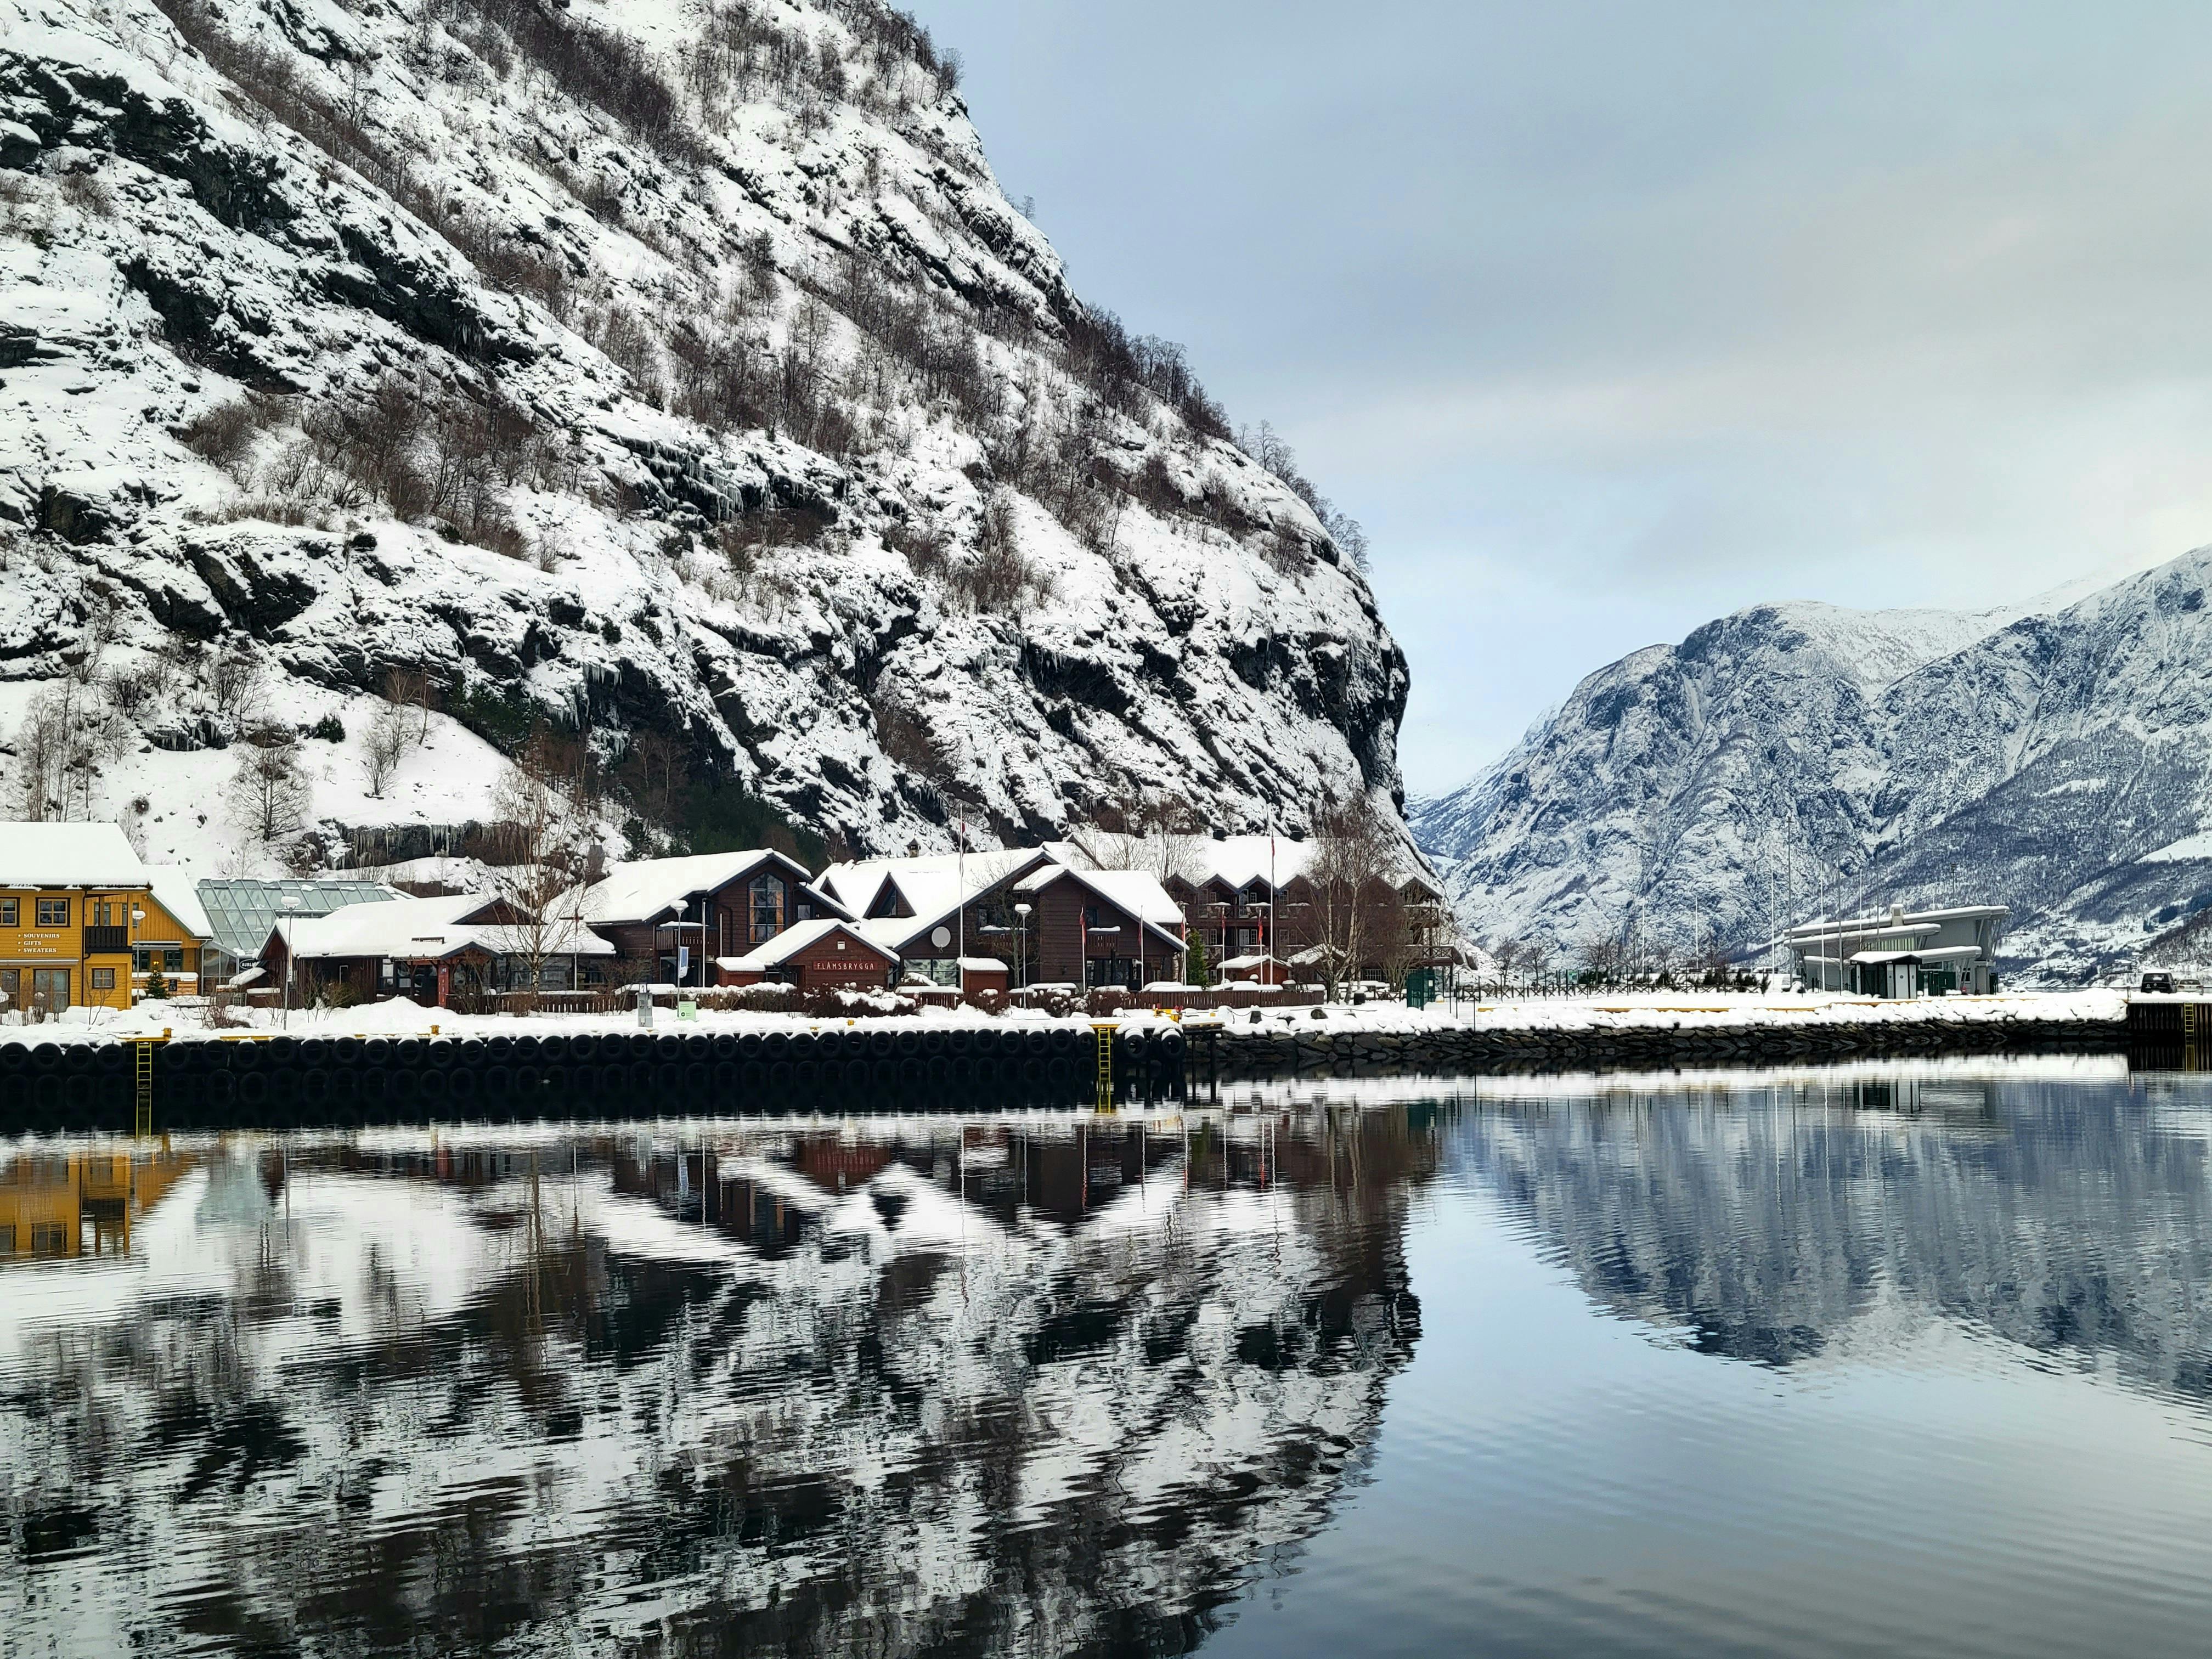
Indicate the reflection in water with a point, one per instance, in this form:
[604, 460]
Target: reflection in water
[1046, 1385]
[80, 1202]
[1025, 1385]
[1768, 1224]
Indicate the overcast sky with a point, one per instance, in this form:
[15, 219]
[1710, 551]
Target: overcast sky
[1607, 319]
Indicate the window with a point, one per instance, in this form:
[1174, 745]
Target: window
[169, 958]
[53, 913]
[10, 913]
[1089, 915]
[767, 908]
[103, 979]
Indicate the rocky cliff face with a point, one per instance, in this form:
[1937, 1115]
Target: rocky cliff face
[634, 369]
[1788, 758]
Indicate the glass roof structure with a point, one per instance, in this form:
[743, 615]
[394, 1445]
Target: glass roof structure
[241, 913]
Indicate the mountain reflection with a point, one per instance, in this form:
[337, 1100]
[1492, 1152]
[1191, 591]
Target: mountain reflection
[1037, 1385]
[2067, 1215]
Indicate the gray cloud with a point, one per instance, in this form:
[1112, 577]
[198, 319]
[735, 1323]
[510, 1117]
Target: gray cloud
[1606, 319]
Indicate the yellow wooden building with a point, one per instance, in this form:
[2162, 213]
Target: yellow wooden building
[169, 937]
[73, 898]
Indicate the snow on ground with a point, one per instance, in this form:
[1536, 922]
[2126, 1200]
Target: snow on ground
[399, 1018]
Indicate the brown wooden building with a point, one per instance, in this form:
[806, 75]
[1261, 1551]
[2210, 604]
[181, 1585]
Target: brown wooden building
[934, 911]
[669, 920]
[818, 955]
[429, 950]
[1103, 927]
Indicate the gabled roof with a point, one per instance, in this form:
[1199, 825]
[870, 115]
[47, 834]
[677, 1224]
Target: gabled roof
[1134, 892]
[177, 891]
[803, 936]
[646, 889]
[935, 887]
[68, 855]
[1235, 861]
[425, 929]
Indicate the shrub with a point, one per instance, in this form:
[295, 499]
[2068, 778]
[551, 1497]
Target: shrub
[999, 579]
[224, 434]
[329, 729]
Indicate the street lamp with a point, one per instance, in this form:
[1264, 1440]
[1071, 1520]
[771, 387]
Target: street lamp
[1022, 945]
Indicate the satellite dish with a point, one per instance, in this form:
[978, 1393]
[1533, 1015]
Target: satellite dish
[940, 937]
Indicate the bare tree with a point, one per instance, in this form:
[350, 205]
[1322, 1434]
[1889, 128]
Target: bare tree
[1355, 911]
[1149, 830]
[411, 688]
[269, 786]
[1536, 960]
[1505, 961]
[382, 746]
[234, 683]
[659, 755]
[47, 747]
[540, 864]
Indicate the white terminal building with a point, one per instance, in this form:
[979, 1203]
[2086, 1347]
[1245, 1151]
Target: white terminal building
[1901, 953]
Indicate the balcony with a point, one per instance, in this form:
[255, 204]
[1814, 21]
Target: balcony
[107, 941]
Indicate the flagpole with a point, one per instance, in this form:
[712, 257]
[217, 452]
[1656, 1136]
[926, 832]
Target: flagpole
[1267, 945]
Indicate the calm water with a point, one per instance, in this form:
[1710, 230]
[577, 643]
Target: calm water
[1887, 1360]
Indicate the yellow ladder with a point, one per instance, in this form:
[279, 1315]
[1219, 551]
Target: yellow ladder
[1105, 1036]
[142, 1075]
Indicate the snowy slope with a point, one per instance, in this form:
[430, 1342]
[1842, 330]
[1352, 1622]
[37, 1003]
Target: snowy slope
[1787, 758]
[651, 367]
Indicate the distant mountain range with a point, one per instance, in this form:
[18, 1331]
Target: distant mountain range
[1790, 758]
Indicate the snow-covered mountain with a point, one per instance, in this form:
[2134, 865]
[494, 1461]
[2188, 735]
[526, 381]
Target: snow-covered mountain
[1791, 758]
[672, 372]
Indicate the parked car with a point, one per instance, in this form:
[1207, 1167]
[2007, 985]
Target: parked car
[2161, 984]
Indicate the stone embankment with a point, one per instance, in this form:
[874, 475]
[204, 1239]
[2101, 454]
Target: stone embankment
[1290, 1049]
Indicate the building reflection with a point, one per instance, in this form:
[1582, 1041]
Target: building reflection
[55, 1204]
[1041, 1384]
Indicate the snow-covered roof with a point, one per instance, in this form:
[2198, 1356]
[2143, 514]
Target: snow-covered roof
[935, 886]
[1235, 861]
[1895, 922]
[420, 929]
[1946, 953]
[176, 891]
[641, 890]
[1134, 892]
[68, 855]
[801, 936]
